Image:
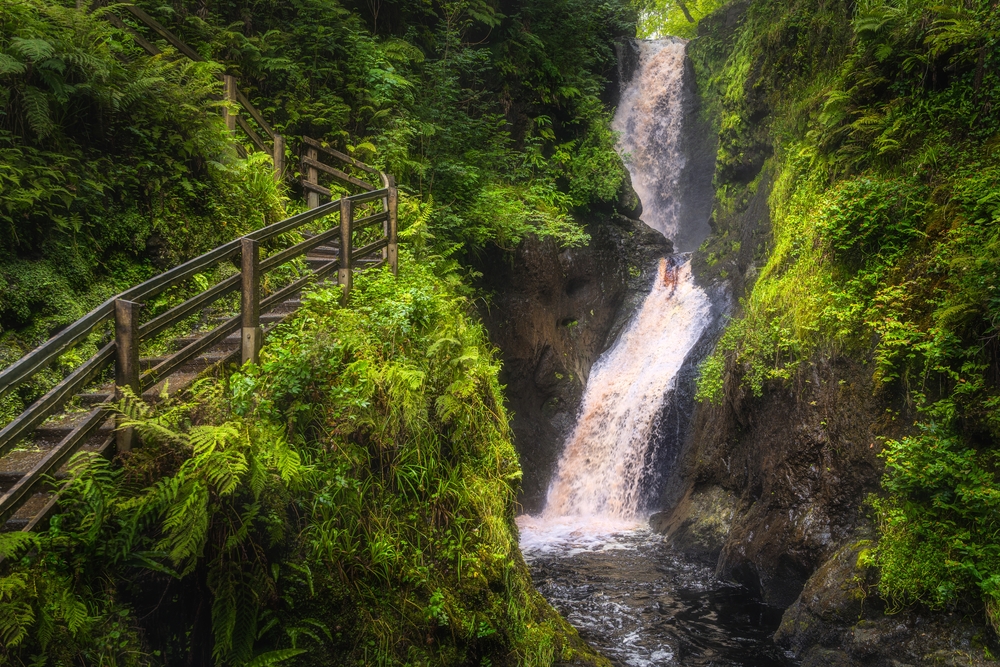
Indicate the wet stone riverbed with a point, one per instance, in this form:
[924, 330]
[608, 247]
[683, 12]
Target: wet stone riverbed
[641, 604]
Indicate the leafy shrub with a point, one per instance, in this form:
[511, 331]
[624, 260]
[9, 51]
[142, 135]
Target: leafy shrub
[868, 219]
[939, 521]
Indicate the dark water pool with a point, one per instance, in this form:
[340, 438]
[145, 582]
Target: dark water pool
[642, 604]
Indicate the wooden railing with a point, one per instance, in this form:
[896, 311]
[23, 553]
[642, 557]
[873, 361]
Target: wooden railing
[274, 145]
[130, 331]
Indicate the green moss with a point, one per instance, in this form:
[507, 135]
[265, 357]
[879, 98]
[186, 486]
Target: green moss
[883, 245]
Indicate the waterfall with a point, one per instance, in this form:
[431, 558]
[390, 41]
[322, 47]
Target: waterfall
[650, 120]
[601, 469]
[599, 482]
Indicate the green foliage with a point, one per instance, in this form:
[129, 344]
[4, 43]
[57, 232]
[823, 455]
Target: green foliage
[939, 521]
[884, 210]
[868, 220]
[459, 101]
[115, 164]
[111, 162]
[679, 18]
[351, 499]
[364, 513]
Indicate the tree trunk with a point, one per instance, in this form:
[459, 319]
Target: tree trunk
[687, 14]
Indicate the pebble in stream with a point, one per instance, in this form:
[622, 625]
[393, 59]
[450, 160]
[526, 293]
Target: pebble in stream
[642, 604]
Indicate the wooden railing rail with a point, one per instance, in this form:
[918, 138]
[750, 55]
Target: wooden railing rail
[312, 166]
[125, 309]
[311, 149]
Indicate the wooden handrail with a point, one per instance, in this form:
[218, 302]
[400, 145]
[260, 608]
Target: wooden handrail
[128, 335]
[54, 399]
[49, 351]
[232, 93]
[343, 157]
[252, 110]
[170, 37]
[337, 173]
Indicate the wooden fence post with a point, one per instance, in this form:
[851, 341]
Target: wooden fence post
[253, 336]
[312, 176]
[229, 94]
[392, 250]
[126, 361]
[346, 224]
[278, 157]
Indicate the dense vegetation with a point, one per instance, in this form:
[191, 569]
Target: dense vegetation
[349, 501]
[117, 164]
[885, 203]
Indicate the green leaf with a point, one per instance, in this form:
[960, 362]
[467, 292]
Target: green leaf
[274, 657]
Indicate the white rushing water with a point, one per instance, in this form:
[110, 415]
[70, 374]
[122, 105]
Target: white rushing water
[650, 120]
[596, 494]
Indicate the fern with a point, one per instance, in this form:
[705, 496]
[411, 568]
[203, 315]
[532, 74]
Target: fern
[34, 49]
[36, 109]
[14, 542]
[11, 65]
[16, 615]
[186, 525]
[274, 657]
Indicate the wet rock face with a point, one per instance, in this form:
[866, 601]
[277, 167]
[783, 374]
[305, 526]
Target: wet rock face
[551, 313]
[835, 621]
[799, 462]
[700, 523]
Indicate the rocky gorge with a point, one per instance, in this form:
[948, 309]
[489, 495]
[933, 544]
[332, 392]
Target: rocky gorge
[771, 485]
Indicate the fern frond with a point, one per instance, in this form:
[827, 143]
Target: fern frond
[36, 110]
[11, 65]
[11, 544]
[223, 581]
[186, 525]
[72, 610]
[16, 616]
[34, 49]
[223, 470]
[274, 657]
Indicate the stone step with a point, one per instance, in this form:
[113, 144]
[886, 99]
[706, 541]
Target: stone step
[272, 318]
[328, 252]
[287, 307]
[19, 462]
[95, 396]
[201, 362]
[230, 342]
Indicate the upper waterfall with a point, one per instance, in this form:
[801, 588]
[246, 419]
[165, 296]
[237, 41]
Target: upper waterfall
[650, 120]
